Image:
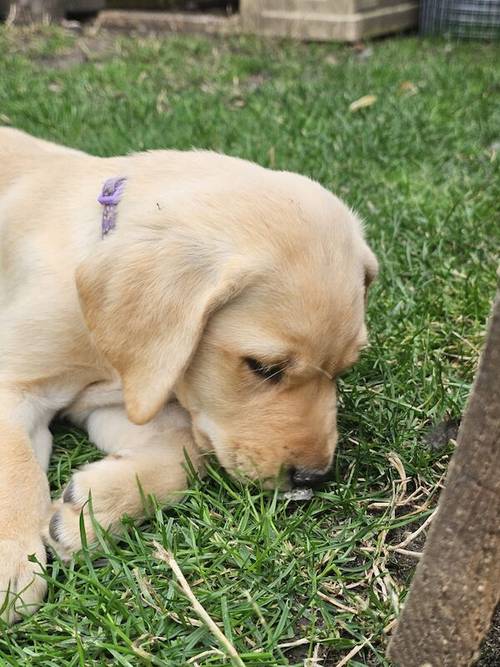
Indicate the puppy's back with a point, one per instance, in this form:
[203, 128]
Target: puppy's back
[14, 141]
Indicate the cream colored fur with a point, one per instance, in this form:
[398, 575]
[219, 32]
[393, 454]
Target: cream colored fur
[213, 260]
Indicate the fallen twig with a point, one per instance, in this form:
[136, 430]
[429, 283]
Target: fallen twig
[352, 653]
[407, 552]
[336, 603]
[164, 555]
[413, 535]
[205, 654]
[297, 642]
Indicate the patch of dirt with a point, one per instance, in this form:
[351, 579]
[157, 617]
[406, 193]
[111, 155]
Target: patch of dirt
[90, 47]
[490, 649]
[401, 566]
[77, 43]
[441, 434]
[64, 61]
[299, 655]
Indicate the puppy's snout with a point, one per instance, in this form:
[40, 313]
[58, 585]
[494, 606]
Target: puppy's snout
[305, 478]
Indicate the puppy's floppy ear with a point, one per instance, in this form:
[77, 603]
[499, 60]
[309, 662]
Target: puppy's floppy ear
[146, 302]
[370, 266]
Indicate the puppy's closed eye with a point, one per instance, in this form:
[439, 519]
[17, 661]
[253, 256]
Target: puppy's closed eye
[271, 372]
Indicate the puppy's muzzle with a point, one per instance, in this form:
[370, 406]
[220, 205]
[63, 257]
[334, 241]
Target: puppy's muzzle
[304, 478]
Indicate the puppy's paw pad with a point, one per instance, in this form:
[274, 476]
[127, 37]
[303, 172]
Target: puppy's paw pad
[55, 525]
[78, 491]
[96, 492]
[69, 495]
[63, 529]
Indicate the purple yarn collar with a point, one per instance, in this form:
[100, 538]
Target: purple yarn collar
[110, 196]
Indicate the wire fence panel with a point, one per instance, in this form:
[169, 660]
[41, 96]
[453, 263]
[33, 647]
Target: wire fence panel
[475, 19]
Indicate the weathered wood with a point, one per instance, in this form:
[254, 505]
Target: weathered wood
[456, 586]
[169, 22]
[342, 20]
[33, 11]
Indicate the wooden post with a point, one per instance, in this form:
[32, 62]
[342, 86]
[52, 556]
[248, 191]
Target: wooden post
[34, 11]
[456, 586]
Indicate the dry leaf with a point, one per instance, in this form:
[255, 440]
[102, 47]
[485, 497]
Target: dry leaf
[363, 102]
[494, 150]
[408, 87]
[162, 105]
[238, 102]
[5, 119]
[208, 88]
[331, 59]
[55, 87]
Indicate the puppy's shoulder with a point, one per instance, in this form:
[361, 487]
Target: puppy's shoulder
[14, 141]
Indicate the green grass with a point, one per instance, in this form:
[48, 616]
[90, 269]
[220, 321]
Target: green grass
[421, 171]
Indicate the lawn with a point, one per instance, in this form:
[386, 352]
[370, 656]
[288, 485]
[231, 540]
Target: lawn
[289, 581]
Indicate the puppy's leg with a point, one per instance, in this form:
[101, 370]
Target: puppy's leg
[24, 506]
[142, 461]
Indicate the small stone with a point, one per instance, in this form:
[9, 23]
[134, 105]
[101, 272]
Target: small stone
[298, 495]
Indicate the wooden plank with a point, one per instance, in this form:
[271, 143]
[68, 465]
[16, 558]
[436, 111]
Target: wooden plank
[456, 586]
[170, 22]
[338, 7]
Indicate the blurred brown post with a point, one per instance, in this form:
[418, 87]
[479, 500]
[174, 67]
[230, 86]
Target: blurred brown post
[456, 586]
[33, 11]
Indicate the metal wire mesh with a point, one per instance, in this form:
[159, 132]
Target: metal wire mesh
[478, 19]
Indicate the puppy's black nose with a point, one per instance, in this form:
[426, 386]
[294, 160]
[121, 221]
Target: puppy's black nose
[304, 478]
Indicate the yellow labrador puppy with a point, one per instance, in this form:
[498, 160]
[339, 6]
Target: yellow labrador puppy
[170, 303]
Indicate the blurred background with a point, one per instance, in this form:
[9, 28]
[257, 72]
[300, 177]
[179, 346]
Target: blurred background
[344, 20]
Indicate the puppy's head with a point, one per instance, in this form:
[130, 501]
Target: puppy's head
[246, 302]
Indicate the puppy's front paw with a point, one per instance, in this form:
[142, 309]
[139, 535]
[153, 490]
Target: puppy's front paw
[22, 589]
[118, 485]
[63, 532]
[100, 486]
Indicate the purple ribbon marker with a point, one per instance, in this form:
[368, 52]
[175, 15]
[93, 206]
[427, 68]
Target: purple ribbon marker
[110, 196]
